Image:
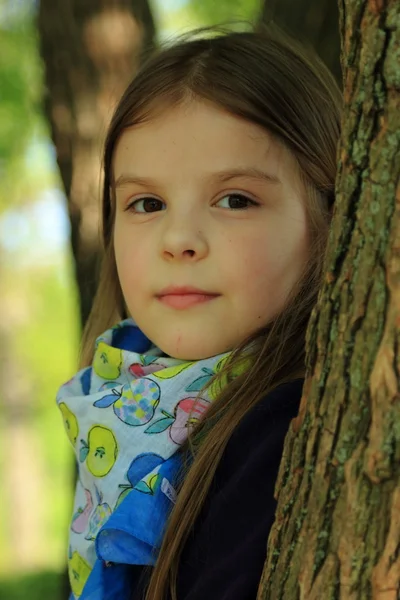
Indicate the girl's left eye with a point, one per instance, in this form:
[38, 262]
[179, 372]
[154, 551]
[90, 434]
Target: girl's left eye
[146, 205]
[236, 202]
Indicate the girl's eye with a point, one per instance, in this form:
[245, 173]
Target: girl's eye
[235, 202]
[146, 205]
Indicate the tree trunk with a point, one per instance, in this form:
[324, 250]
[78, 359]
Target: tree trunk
[315, 22]
[90, 49]
[337, 529]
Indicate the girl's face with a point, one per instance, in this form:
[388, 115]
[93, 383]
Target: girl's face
[210, 229]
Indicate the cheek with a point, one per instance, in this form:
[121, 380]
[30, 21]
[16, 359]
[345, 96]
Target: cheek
[130, 260]
[260, 275]
[253, 264]
[266, 269]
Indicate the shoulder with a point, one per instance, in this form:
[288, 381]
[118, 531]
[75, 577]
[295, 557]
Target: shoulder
[264, 427]
[225, 552]
[284, 400]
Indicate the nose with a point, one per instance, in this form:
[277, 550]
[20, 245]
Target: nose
[183, 239]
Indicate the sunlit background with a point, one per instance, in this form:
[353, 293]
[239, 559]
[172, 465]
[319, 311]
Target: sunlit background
[39, 330]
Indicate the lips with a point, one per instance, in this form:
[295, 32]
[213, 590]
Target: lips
[184, 297]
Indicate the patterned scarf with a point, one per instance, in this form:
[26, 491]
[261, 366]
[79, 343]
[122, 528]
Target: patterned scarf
[125, 417]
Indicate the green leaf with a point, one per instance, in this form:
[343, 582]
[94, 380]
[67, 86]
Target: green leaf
[198, 383]
[141, 486]
[167, 414]
[84, 451]
[160, 425]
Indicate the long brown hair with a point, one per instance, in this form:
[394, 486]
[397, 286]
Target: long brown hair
[268, 79]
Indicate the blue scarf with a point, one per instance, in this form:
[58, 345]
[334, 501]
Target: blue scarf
[126, 417]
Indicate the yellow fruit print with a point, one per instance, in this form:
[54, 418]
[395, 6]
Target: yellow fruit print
[107, 361]
[70, 422]
[100, 451]
[78, 571]
[218, 385]
[171, 372]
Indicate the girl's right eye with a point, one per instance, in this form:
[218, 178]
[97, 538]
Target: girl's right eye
[146, 205]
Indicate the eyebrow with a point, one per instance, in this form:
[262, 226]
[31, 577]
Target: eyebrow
[249, 172]
[222, 176]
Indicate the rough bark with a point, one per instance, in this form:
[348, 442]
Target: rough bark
[315, 22]
[337, 528]
[90, 50]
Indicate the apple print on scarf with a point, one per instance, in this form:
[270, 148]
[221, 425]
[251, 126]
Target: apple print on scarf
[81, 518]
[85, 379]
[215, 388]
[70, 422]
[100, 450]
[99, 517]
[186, 414]
[170, 372]
[79, 571]
[133, 404]
[146, 366]
[141, 475]
[107, 361]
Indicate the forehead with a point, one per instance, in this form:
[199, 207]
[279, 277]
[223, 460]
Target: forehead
[198, 135]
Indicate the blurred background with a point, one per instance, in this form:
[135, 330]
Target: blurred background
[63, 66]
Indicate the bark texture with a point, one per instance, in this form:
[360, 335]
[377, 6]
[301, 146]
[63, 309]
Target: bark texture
[315, 22]
[337, 529]
[91, 50]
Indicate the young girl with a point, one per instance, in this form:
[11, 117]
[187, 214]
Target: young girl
[219, 179]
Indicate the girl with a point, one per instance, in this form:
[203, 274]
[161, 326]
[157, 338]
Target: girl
[219, 173]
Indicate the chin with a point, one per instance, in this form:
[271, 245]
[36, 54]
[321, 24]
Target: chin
[186, 351]
[190, 355]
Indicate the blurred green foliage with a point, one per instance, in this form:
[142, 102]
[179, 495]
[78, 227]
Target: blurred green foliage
[36, 586]
[211, 12]
[45, 345]
[20, 99]
[38, 302]
[193, 14]
[19, 87]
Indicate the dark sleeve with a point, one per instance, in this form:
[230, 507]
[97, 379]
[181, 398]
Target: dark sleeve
[225, 554]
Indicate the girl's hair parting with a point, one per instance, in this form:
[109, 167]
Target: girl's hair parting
[268, 79]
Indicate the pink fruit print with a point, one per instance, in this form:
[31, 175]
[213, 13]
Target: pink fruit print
[186, 413]
[145, 367]
[81, 517]
[99, 517]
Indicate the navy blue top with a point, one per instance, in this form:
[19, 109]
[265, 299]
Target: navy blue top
[225, 553]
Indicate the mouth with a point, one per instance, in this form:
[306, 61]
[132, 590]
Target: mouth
[184, 297]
